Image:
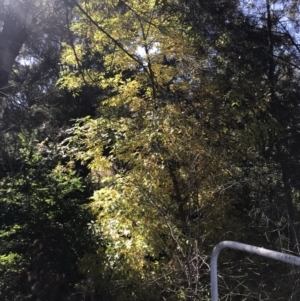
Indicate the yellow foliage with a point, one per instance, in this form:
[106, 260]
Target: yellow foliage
[165, 164]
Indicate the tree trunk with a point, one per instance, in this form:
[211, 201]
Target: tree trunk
[12, 37]
[290, 208]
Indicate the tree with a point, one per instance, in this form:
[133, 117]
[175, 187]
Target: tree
[160, 150]
[44, 228]
[264, 43]
[187, 83]
[14, 34]
[44, 225]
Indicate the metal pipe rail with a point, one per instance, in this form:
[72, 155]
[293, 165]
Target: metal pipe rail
[291, 259]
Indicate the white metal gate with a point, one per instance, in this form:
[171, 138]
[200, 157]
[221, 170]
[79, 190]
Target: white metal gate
[291, 259]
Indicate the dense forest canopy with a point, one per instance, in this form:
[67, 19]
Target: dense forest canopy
[135, 135]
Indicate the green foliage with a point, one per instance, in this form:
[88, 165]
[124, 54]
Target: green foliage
[43, 223]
